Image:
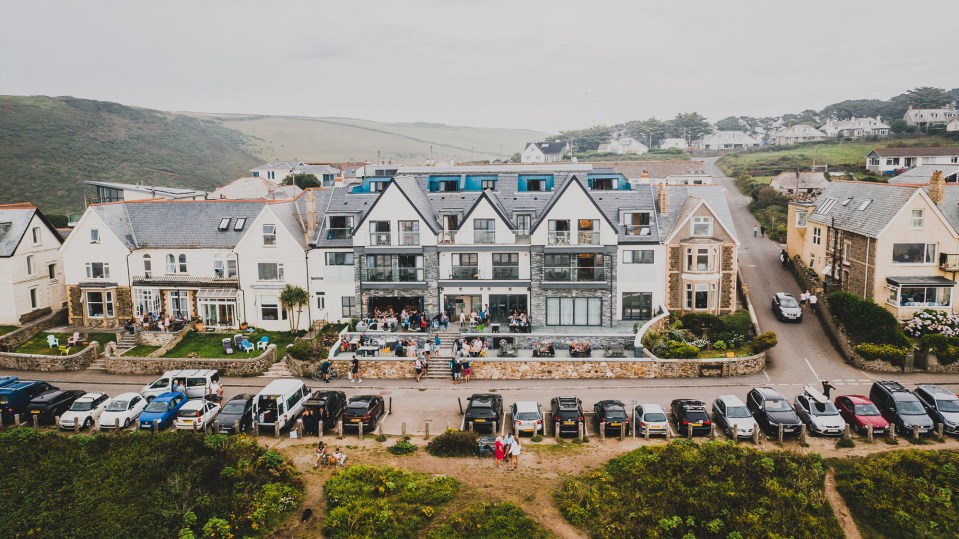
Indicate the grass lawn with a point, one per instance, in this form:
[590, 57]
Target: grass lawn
[141, 350]
[38, 344]
[210, 345]
[765, 180]
[7, 329]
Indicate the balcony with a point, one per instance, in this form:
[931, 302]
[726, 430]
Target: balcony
[465, 273]
[409, 238]
[379, 238]
[447, 237]
[389, 275]
[948, 262]
[505, 273]
[637, 230]
[484, 236]
[588, 237]
[564, 274]
[180, 279]
[558, 238]
[339, 234]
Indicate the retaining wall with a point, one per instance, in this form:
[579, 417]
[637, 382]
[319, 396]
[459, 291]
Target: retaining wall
[43, 363]
[240, 365]
[12, 340]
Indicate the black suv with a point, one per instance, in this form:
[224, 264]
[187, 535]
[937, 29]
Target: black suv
[771, 410]
[365, 410]
[900, 407]
[325, 406]
[51, 404]
[613, 413]
[238, 410]
[485, 410]
[567, 412]
[941, 405]
[688, 412]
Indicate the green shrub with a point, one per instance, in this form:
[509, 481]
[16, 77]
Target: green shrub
[763, 342]
[709, 489]
[490, 521]
[737, 323]
[379, 501]
[402, 447]
[864, 321]
[536, 438]
[945, 348]
[454, 443]
[845, 443]
[308, 350]
[700, 323]
[719, 345]
[885, 352]
[678, 350]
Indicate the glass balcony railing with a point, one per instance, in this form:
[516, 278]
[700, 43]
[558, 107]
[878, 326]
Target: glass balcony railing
[379, 238]
[379, 275]
[339, 234]
[574, 274]
[447, 237]
[637, 230]
[558, 238]
[410, 274]
[465, 273]
[588, 237]
[389, 275]
[505, 272]
[484, 236]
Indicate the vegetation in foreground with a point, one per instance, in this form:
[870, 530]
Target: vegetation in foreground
[905, 493]
[490, 521]
[141, 485]
[713, 489]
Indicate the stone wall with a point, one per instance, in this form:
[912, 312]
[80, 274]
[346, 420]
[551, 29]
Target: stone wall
[539, 290]
[38, 362]
[165, 340]
[429, 292]
[35, 314]
[238, 366]
[524, 341]
[12, 340]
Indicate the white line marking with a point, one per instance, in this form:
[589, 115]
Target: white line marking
[812, 369]
[767, 376]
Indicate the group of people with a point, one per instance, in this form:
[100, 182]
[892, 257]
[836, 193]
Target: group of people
[471, 348]
[808, 298]
[409, 319]
[155, 322]
[543, 349]
[215, 393]
[580, 349]
[337, 458]
[518, 322]
[507, 446]
[474, 318]
[460, 370]
[759, 230]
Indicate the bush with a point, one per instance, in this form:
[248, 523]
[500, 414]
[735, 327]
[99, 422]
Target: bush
[763, 342]
[492, 521]
[885, 352]
[945, 348]
[308, 350]
[678, 350]
[700, 322]
[932, 321]
[454, 443]
[402, 447]
[864, 321]
[719, 345]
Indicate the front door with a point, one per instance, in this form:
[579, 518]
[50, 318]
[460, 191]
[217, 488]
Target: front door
[461, 304]
[503, 305]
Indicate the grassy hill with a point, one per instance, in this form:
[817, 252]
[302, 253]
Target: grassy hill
[51, 144]
[346, 139]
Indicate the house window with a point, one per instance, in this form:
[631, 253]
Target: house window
[182, 260]
[339, 259]
[917, 219]
[147, 267]
[918, 296]
[874, 161]
[574, 311]
[506, 265]
[637, 224]
[588, 232]
[98, 270]
[451, 221]
[637, 305]
[170, 264]
[465, 266]
[914, 253]
[523, 223]
[224, 224]
[349, 306]
[644, 256]
[697, 296]
[146, 300]
[231, 267]
[179, 303]
[218, 269]
[483, 231]
[702, 226]
[29, 264]
[52, 270]
[846, 248]
[816, 236]
[270, 308]
[379, 232]
[269, 236]
[489, 184]
[35, 231]
[535, 185]
[239, 224]
[94, 235]
[99, 304]
[801, 218]
[33, 298]
[409, 232]
[700, 259]
[321, 300]
[558, 232]
[340, 227]
[954, 159]
[270, 271]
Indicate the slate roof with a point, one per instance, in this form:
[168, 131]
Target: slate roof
[14, 221]
[633, 170]
[807, 180]
[921, 174]
[168, 192]
[680, 197]
[550, 148]
[916, 152]
[950, 205]
[886, 201]
[172, 224]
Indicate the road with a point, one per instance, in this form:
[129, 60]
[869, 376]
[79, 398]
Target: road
[804, 355]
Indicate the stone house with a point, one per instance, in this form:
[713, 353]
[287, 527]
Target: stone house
[797, 134]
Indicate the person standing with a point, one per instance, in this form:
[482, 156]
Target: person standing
[813, 300]
[514, 451]
[783, 258]
[508, 442]
[803, 299]
[762, 231]
[418, 364]
[467, 372]
[500, 452]
[827, 387]
[755, 230]
[355, 371]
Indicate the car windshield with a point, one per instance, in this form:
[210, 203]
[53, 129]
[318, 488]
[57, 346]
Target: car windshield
[738, 412]
[157, 406]
[950, 405]
[184, 412]
[655, 416]
[527, 416]
[867, 409]
[234, 408]
[910, 408]
[84, 406]
[356, 410]
[789, 302]
[776, 405]
[117, 406]
[822, 408]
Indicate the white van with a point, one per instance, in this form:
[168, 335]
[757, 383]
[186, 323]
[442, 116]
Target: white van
[279, 402]
[197, 382]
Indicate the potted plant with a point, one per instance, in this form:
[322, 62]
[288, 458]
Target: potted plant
[244, 325]
[198, 324]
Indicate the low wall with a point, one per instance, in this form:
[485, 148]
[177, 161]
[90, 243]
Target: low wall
[524, 341]
[165, 340]
[240, 365]
[12, 340]
[39, 362]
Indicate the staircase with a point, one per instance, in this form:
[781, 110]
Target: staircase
[440, 361]
[125, 342]
[277, 370]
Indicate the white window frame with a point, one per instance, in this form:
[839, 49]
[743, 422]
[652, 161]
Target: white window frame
[278, 271]
[106, 300]
[816, 235]
[30, 265]
[697, 223]
[34, 300]
[269, 235]
[918, 219]
[801, 217]
[94, 235]
[182, 264]
[37, 237]
[105, 270]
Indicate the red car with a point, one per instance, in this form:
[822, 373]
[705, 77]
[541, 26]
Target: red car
[858, 411]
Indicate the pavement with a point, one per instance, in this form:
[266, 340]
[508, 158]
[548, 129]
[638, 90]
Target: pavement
[804, 355]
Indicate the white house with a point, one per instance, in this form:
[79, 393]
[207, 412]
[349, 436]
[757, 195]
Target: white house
[726, 140]
[255, 187]
[623, 146]
[953, 125]
[797, 134]
[889, 160]
[277, 171]
[31, 274]
[923, 118]
[115, 192]
[674, 143]
[856, 128]
[544, 152]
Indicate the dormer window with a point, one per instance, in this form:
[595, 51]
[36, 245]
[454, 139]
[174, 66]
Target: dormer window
[535, 185]
[604, 184]
[702, 226]
[637, 223]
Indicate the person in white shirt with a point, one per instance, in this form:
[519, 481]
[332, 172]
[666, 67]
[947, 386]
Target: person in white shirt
[514, 451]
[812, 302]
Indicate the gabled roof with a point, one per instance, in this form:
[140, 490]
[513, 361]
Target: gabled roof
[253, 187]
[15, 219]
[559, 194]
[155, 190]
[921, 174]
[917, 152]
[490, 196]
[885, 201]
[414, 194]
[679, 198]
[550, 148]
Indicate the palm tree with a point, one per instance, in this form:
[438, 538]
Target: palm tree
[292, 297]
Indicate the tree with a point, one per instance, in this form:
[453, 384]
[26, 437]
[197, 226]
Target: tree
[859, 108]
[294, 297]
[651, 131]
[690, 125]
[585, 140]
[730, 123]
[516, 157]
[303, 181]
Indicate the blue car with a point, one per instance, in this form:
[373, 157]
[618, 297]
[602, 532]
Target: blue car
[161, 411]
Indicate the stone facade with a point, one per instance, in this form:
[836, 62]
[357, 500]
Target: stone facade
[540, 291]
[12, 340]
[524, 341]
[254, 366]
[426, 289]
[859, 267]
[724, 256]
[122, 305]
[43, 363]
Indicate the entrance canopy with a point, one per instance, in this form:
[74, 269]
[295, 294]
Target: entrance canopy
[218, 293]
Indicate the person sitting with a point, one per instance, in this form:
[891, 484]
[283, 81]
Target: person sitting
[550, 351]
[574, 349]
[130, 326]
[586, 350]
[399, 349]
[536, 348]
[320, 454]
[340, 457]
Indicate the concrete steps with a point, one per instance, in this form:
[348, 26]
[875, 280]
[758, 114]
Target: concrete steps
[277, 370]
[125, 342]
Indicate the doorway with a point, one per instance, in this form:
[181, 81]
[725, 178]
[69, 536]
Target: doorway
[503, 305]
[461, 304]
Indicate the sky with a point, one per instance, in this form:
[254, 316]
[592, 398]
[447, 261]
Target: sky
[520, 64]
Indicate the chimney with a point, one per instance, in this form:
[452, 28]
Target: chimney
[661, 198]
[310, 214]
[937, 186]
[645, 174]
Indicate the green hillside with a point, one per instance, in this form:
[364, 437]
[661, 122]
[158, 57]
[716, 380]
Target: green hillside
[49, 145]
[347, 139]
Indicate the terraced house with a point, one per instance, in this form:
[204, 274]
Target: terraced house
[31, 274]
[570, 248]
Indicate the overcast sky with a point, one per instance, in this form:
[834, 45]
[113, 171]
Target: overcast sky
[525, 64]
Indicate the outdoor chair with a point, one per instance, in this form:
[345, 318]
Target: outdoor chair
[615, 350]
[246, 346]
[52, 341]
[263, 343]
[64, 350]
[227, 346]
[238, 340]
[75, 340]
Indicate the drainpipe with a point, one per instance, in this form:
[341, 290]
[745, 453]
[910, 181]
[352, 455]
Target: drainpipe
[865, 280]
[309, 301]
[242, 292]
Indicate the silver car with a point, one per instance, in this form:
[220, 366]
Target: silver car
[733, 416]
[650, 416]
[527, 418]
[785, 307]
[819, 415]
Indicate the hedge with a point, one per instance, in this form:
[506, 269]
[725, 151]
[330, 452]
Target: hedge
[678, 350]
[490, 521]
[945, 348]
[864, 321]
[885, 352]
[454, 443]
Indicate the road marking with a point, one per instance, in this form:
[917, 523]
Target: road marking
[866, 374]
[767, 376]
[812, 369]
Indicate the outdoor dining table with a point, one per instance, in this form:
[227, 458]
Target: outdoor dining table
[368, 351]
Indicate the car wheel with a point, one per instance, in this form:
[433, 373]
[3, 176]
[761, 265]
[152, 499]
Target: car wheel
[150, 399]
[126, 423]
[88, 423]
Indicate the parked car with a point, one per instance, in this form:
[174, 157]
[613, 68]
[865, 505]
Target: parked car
[613, 414]
[485, 411]
[323, 406]
[941, 405]
[819, 415]
[732, 415]
[196, 415]
[198, 383]
[858, 411]
[900, 407]
[279, 404]
[363, 410]
[527, 418]
[15, 397]
[650, 416]
[161, 411]
[85, 411]
[237, 411]
[785, 307]
[691, 412]
[771, 409]
[51, 404]
[567, 414]
[123, 410]
[7, 380]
